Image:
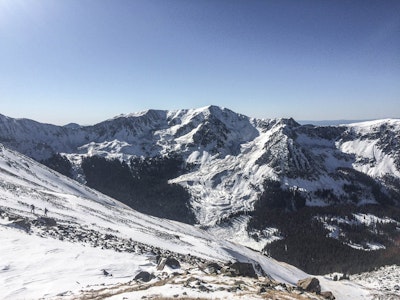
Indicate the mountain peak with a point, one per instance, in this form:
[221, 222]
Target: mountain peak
[289, 121]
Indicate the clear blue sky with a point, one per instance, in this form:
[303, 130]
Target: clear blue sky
[85, 61]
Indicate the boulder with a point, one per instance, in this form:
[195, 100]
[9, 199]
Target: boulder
[244, 269]
[240, 269]
[171, 262]
[144, 276]
[310, 284]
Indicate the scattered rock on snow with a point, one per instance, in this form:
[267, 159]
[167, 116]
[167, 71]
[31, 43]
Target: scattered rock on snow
[105, 273]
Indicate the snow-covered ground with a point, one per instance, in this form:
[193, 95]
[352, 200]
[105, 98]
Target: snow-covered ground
[33, 267]
[91, 237]
[385, 279]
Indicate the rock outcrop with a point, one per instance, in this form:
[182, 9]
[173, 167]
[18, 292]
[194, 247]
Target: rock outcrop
[310, 284]
[240, 269]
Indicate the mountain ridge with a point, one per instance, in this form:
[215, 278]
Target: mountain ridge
[213, 133]
[222, 167]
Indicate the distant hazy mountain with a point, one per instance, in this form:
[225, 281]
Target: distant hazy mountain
[239, 177]
[331, 122]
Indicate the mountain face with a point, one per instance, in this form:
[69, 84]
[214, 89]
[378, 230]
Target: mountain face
[239, 177]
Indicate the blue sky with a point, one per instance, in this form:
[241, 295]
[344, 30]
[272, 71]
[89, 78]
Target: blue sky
[85, 61]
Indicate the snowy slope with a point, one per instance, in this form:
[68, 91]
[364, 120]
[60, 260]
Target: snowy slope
[377, 143]
[24, 182]
[93, 233]
[386, 279]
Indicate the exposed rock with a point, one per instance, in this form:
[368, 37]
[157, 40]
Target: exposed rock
[240, 269]
[161, 264]
[173, 263]
[47, 221]
[212, 268]
[22, 224]
[328, 295]
[12, 217]
[203, 288]
[144, 276]
[310, 284]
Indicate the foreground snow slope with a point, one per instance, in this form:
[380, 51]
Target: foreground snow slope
[36, 265]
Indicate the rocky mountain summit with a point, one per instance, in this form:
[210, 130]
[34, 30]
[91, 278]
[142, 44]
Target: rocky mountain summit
[239, 177]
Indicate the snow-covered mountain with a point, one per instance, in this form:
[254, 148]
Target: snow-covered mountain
[63, 240]
[230, 155]
[223, 170]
